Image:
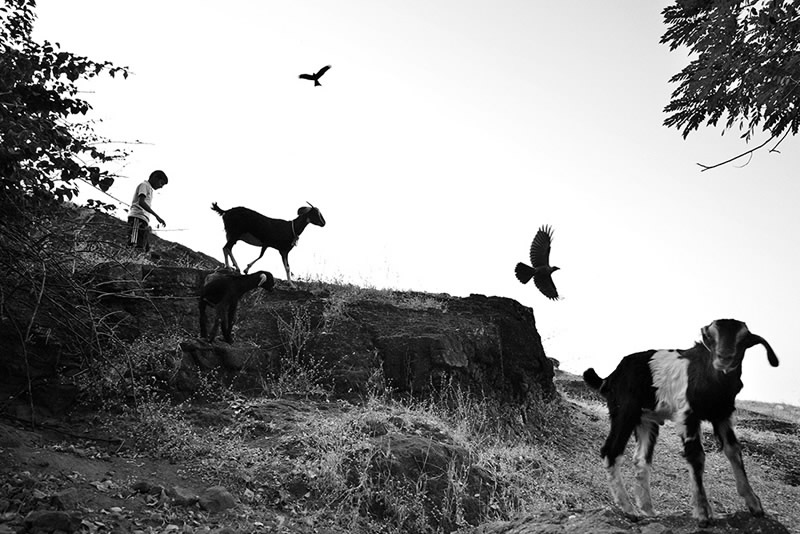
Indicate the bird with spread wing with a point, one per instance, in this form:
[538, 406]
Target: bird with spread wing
[316, 76]
[540, 269]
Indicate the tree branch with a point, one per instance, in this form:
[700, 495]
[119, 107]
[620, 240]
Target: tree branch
[743, 154]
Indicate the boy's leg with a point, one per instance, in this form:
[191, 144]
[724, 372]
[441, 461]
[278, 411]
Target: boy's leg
[145, 238]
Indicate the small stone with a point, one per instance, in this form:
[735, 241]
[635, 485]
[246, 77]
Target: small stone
[656, 528]
[141, 486]
[65, 500]
[216, 499]
[50, 521]
[181, 496]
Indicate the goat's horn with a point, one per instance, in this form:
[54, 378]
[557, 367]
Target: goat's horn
[758, 340]
[706, 337]
[309, 203]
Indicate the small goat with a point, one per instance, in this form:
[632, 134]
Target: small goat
[223, 291]
[243, 224]
[687, 386]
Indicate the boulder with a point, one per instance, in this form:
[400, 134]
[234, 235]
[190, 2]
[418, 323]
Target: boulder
[51, 521]
[432, 468]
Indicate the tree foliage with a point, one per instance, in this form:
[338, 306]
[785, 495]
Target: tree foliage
[745, 67]
[46, 144]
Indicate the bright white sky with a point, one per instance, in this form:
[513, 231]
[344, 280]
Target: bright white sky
[444, 135]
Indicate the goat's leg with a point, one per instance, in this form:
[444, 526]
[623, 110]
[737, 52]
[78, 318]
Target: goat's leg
[214, 328]
[730, 445]
[263, 249]
[203, 319]
[613, 451]
[227, 252]
[696, 457]
[285, 258]
[646, 435]
[227, 324]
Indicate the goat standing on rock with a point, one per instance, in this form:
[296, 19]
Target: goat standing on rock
[687, 386]
[223, 291]
[243, 224]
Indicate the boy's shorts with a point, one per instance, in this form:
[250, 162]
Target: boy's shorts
[139, 233]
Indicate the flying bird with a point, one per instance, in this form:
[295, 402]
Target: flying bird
[541, 271]
[316, 76]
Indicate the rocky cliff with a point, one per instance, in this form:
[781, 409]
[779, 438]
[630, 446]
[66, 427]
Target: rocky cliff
[414, 342]
[487, 345]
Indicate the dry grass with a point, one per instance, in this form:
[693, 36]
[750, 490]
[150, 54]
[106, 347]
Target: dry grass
[313, 458]
[341, 294]
[303, 465]
[786, 412]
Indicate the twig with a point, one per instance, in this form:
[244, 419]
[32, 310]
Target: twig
[28, 378]
[775, 148]
[38, 303]
[749, 159]
[708, 167]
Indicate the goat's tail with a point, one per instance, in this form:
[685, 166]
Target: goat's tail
[592, 379]
[217, 208]
[523, 272]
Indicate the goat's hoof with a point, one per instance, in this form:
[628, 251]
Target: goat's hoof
[633, 518]
[754, 505]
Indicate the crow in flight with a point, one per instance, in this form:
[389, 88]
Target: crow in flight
[315, 76]
[540, 259]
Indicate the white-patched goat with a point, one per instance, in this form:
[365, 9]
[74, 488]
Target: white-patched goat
[223, 291]
[243, 224]
[686, 386]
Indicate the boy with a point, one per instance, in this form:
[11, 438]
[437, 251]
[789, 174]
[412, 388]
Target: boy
[141, 209]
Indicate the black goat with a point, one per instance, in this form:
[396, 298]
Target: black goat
[687, 386]
[223, 291]
[243, 224]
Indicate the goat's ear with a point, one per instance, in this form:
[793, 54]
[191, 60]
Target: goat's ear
[753, 339]
[303, 210]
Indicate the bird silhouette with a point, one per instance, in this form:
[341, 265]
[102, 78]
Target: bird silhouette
[541, 271]
[316, 76]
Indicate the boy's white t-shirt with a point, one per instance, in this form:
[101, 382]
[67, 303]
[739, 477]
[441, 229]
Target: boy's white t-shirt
[145, 189]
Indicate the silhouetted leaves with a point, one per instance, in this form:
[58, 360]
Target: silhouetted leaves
[44, 149]
[745, 67]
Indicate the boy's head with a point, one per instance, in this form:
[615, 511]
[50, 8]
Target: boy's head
[158, 179]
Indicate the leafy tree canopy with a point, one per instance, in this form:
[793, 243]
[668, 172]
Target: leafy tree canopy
[45, 146]
[745, 69]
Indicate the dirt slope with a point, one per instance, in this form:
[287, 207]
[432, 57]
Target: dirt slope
[103, 486]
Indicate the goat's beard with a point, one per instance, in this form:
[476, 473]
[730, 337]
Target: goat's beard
[724, 369]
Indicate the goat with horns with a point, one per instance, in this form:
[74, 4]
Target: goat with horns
[243, 224]
[686, 386]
